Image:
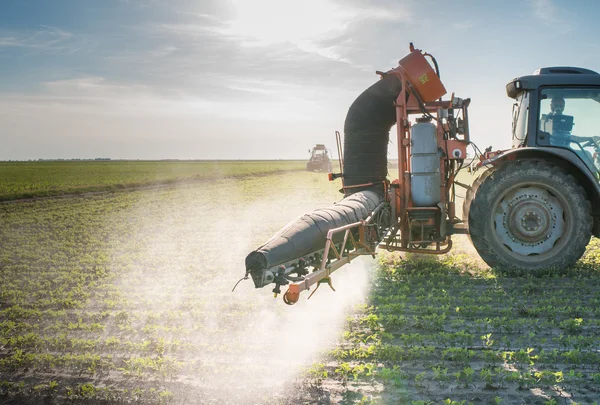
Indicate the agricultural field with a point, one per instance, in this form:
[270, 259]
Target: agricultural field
[50, 178]
[114, 298]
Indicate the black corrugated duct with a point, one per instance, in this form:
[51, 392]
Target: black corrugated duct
[367, 135]
[367, 129]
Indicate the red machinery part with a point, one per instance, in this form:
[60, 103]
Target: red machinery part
[421, 76]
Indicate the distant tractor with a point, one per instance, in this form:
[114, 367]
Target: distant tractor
[320, 159]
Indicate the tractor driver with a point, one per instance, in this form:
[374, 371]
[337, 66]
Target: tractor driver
[564, 138]
[557, 106]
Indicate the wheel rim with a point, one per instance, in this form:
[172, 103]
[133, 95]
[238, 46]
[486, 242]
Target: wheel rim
[529, 221]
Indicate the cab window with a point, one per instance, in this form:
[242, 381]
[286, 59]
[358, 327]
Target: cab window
[570, 118]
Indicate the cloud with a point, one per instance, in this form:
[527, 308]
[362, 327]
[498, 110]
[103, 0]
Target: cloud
[550, 14]
[95, 116]
[199, 49]
[311, 26]
[97, 95]
[45, 39]
[195, 60]
[253, 100]
[311, 43]
[463, 25]
[545, 10]
[192, 71]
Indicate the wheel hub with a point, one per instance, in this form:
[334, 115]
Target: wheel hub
[529, 221]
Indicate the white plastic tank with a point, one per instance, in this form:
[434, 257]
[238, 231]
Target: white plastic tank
[425, 164]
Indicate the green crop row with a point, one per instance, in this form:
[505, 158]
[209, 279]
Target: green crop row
[109, 293]
[446, 325]
[49, 178]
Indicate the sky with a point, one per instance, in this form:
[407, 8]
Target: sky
[256, 79]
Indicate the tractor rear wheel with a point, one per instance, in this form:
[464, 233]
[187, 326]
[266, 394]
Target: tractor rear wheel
[471, 192]
[529, 214]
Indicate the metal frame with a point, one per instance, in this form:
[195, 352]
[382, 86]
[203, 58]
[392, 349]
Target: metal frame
[407, 103]
[360, 247]
[398, 195]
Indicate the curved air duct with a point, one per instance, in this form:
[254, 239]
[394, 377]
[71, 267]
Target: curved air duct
[367, 128]
[367, 134]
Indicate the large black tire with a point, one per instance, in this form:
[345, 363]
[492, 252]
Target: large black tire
[530, 215]
[471, 192]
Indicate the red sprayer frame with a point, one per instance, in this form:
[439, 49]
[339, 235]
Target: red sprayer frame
[415, 73]
[421, 94]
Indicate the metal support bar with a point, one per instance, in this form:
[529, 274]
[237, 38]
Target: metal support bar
[359, 248]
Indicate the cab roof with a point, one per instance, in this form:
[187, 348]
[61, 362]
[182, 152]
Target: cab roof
[553, 76]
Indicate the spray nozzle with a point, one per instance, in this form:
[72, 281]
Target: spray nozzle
[280, 279]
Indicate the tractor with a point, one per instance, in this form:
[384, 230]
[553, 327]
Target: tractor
[320, 159]
[533, 206]
[538, 203]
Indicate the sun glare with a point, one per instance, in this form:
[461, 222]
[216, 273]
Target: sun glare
[265, 22]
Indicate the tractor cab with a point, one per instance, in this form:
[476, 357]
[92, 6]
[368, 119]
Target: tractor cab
[559, 108]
